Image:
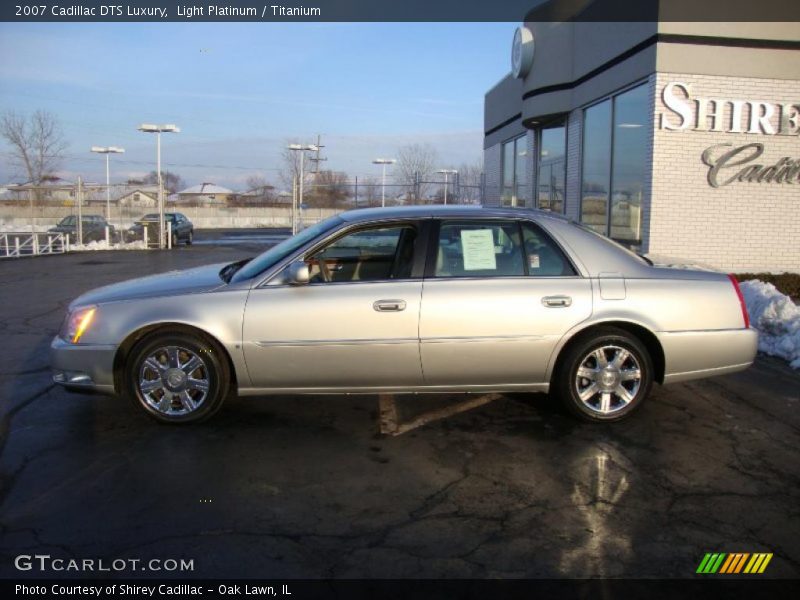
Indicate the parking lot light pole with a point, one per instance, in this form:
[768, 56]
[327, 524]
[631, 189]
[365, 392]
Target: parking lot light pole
[302, 149]
[446, 172]
[107, 150]
[158, 129]
[383, 162]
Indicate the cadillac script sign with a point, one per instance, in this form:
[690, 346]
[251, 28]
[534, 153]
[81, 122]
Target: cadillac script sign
[728, 163]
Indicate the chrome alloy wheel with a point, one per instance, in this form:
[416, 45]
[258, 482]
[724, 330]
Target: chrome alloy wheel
[608, 379]
[174, 380]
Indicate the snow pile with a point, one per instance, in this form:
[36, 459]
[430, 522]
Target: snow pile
[6, 228]
[104, 245]
[777, 319]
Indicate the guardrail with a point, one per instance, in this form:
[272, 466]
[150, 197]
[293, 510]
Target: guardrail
[19, 244]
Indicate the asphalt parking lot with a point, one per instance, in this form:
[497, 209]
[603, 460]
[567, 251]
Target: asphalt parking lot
[307, 487]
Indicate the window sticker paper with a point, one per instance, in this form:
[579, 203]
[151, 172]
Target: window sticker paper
[478, 248]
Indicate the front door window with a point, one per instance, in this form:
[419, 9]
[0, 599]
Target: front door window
[374, 254]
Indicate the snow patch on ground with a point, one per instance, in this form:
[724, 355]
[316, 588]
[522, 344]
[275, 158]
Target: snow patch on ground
[777, 319]
[5, 228]
[104, 245]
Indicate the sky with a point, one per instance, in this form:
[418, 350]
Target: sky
[239, 91]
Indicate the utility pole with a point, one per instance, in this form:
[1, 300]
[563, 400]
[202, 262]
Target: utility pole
[317, 158]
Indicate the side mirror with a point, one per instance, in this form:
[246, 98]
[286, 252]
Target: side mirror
[297, 273]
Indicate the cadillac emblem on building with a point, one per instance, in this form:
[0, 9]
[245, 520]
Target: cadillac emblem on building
[522, 49]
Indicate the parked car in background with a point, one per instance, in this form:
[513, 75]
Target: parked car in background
[93, 228]
[410, 299]
[182, 228]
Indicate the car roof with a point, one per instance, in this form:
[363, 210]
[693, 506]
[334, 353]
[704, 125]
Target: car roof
[445, 211]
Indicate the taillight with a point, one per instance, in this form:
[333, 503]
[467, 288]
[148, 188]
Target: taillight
[745, 316]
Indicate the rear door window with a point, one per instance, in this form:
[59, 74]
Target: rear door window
[479, 249]
[543, 257]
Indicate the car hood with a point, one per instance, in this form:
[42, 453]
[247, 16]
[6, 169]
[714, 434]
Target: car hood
[62, 229]
[190, 281]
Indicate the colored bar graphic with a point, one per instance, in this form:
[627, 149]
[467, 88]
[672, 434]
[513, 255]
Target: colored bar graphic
[755, 562]
[703, 563]
[727, 564]
[767, 558]
[740, 563]
[730, 564]
[734, 563]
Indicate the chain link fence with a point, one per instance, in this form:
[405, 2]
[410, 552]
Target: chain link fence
[31, 208]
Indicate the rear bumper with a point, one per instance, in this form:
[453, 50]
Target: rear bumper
[78, 367]
[697, 354]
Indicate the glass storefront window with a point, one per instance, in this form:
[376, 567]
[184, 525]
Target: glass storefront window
[629, 162]
[515, 190]
[615, 165]
[521, 171]
[508, 173]
[596, 166]
[552, 173]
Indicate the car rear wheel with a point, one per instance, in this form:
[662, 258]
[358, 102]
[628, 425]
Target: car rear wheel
[605, 375]
[177, 378]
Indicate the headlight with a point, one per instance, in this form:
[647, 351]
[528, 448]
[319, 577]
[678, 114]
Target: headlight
[77, 322]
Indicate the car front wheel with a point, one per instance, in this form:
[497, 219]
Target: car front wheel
[605, 375]
[177, 378]
[190, 238]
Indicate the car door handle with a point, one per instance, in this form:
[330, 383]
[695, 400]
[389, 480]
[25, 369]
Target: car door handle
[557, 301]
[389, 305]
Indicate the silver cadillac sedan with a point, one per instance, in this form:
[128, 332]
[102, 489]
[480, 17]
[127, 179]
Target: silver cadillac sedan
[412, 299]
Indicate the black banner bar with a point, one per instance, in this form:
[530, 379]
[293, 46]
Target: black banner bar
[653, 589]
[399, 10]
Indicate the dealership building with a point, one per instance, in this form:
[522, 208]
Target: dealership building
[677, 139]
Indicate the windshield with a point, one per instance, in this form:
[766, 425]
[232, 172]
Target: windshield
[264, 261]
[154, 217]
[67, 221]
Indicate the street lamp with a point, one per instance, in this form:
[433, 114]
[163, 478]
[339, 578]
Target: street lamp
[383, 162]
[446, 172]
[107, 150]
[158, 130]
[302, 149]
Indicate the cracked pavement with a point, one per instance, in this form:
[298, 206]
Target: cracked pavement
[306, 487]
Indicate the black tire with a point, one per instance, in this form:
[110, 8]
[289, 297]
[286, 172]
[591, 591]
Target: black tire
[604, 403]
[214, 370]
[190, 238]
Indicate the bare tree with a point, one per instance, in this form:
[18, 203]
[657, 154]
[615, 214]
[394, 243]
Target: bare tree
[172, 181]
[259, 191]
[37, 143]
[415, 166]
[370, 187]
[470, 182]
[330, 189]
[255, 182]
[290, 168]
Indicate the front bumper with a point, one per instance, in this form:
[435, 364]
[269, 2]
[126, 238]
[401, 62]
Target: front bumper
[87, 367]
[697, 354]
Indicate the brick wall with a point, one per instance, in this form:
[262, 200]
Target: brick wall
[738, 227]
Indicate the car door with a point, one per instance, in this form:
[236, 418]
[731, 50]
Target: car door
[497, 297]
[183, 225]
[353, 326]
[180, 227]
